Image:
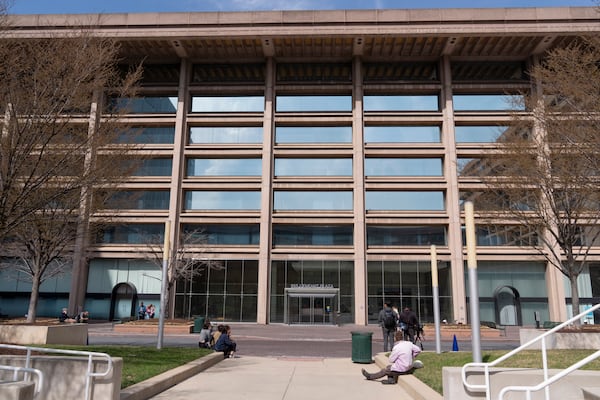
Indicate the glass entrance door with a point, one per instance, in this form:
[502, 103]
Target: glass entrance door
[311, 307]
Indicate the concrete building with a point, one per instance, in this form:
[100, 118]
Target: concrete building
[321, 153]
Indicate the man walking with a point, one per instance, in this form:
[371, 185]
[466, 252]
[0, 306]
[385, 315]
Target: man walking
[388, 320]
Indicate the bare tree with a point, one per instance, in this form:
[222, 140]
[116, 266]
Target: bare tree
[57, 144]
[187, 262]
[546, 173]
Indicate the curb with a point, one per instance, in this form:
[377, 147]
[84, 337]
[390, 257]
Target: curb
[160, 383]
[413, 386]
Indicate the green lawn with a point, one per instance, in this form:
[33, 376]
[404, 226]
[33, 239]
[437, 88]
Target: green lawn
[141, 363]
[431, 375]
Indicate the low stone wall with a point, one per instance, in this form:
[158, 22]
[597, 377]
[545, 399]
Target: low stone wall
[64, 377]
[561, 339]
[75, 334]
[176, 329]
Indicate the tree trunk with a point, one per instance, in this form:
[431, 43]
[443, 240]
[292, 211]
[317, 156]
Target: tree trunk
[574, 297]
[33, 299]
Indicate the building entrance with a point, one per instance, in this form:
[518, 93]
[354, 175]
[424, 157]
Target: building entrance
[311, 305]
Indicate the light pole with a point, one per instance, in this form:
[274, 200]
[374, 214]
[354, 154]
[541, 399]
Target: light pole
[473, 287]
[436, 299]
[163, 286]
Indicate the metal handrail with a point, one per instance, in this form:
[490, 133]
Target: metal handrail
[89, 354]
[541, 338]
[26, 371]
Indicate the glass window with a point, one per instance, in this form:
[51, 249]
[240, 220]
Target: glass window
[313, 167]
[147, 105]
[228, 104]
[487, 102]
[312, 235]
[226, 134]
[504, 235]
[479, 134]
[403, 167]
[154, 167]
[481, 166]
[314, 103]
[149, 135]
[139, 200]
[222, 200]
[313, 134]
[387, 235]
[312, 200]
[401, 103]
[224, 167]
[131, 234]
[404, 200]
[222, 234]
[402, 134]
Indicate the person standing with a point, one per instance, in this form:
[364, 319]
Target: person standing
[410, 323]
[388, 320]
[402, 361]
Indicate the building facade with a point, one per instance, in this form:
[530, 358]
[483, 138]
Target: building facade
[321, 154]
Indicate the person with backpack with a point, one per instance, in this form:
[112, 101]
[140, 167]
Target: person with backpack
[388, 320]
[409, 323]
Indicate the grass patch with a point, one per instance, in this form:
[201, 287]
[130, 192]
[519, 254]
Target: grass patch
[431, 375]
[143, 362]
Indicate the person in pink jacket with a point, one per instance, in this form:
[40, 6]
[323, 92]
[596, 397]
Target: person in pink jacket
[402, 361]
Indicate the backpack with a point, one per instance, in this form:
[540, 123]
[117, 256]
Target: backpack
[389, 320]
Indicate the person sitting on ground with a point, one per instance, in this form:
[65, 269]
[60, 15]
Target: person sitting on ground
[83, 317]
[225, 344]
[206, 338]
[64, 317]
[401, 359]
[217, 333]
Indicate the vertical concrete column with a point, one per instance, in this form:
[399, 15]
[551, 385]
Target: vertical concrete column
[264, 255]
[175, 200]
[358, 157]
[452, 197]
[79, 276]
[554, 278]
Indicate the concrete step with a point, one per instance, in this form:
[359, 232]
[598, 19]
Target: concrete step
[591, 393]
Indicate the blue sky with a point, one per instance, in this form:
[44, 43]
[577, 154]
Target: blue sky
[118, 6]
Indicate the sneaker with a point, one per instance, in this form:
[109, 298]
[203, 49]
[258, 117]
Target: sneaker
[418, 364]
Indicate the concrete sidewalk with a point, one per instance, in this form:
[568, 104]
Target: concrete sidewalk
[264, 378]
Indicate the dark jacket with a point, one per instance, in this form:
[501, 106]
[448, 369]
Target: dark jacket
[223, 343]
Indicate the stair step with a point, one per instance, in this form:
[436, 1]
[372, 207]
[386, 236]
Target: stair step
[591, 393]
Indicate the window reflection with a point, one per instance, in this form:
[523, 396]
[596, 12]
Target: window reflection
[314, 103]
[479, 134]
[312, 200]
[487, 102]
[225, 234]
[504, 235]
[313, 134]
[225, 134]
[401, 103]
[404, 200]
[147, 105]
[148, 135]
[312, 235]
[402, 134]
[228, 104]
[131, 234]
[403, 167]
[224, 167]
[139, 200]
[154, 167]
[222, 200]
[313, 167]
[405, 235]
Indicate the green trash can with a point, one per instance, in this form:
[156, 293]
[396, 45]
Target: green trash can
[361, 347]
[198, 324]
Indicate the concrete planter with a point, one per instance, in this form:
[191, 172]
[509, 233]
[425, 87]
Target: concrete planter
[75, 334]
[562, 339]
